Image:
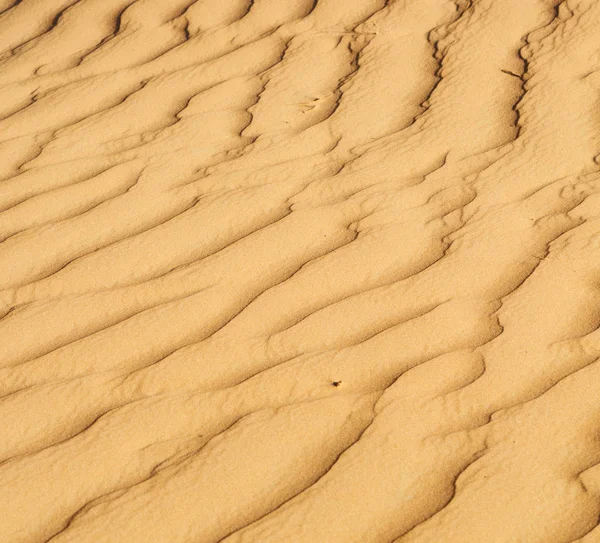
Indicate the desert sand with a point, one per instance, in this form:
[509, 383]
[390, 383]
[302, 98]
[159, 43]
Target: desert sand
[300, 271]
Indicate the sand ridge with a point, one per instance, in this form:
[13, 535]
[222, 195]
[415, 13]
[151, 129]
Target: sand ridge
[299, 270]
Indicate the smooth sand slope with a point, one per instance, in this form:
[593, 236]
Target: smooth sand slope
[211, 211]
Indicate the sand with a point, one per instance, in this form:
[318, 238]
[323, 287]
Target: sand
[299, 271]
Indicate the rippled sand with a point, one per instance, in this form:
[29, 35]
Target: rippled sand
[300, 271]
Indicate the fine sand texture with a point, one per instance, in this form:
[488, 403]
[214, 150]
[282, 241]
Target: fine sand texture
[305, 271]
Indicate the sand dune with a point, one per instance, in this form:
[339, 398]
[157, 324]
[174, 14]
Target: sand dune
[300, 271]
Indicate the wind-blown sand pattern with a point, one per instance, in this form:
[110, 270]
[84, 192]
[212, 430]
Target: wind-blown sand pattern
[300, 271]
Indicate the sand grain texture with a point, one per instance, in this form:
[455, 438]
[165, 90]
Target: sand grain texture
[211, 212]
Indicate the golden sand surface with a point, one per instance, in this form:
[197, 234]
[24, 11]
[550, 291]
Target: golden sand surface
[306, 271]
